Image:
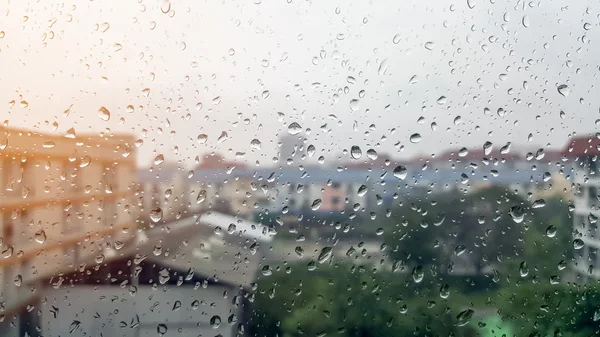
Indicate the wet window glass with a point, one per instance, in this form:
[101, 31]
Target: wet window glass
[299, 168]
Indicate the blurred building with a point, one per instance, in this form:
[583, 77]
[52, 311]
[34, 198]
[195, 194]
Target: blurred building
[64, 199]
[584, 153]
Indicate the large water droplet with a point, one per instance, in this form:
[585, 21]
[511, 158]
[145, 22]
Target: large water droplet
[415, 138]
[159, 159]
[156, 214]
[103, 113]
[551, 231]
[40, 236]
[355, 152]
[400, 172]
[362, 190]
[325, 254]
[517, 213]
[418, 274]
[161, 329]
[464, 317]
[215, 322]
[564, 90]
[578, 244]
[294, 128]
[316, 204]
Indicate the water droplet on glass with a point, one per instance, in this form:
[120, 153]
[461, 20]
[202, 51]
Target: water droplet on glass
[156, 214]
[362, 190]
[215, 322]
[517, 213]
[525, 21]
[564, 90]
[400, 172]
[396, 39]
[444, 291]
[176, 305]
[161, 329]
[464, 317]
[354, 104]
[459, 250]
[578, 244]
[316, 204]
[551, 231]
[255, 144]
[538, 203]
[441, 100]
[487, 148]
[294, 128]
[415, 138]
[159, 159]
[223, 137]
[418, 274]
[40, 236]
[355, 152]
[429, 45]
[325, 254]
[471, 4]
[371, 154]
[103, 113]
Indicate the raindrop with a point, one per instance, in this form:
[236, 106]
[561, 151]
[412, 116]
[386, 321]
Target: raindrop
[325, 254]
[176, 305]
[223, 137]
[471, 4]
[201, 196]
[40, 236]
[551, 231]
[215, 322]
[159, 159]
[429, 45]
[459, 250]
[415, 138]
[418, 274]
[400, 172]
[156, 214]
[371, 154]
[255, 144]
[202, 138]
[525, 21]
[464, 317]
[444, 291]
[538, 203]
[316, 204]
[355, 152]
[103, 113]
[487, 148]
[294, 128]
[564, 90]
[354, 104]
[74, 326]
[441, 100]
[517, 213]
[578, 244]
[362, 190]
[161, 329]
[396, 39]
[523, 269]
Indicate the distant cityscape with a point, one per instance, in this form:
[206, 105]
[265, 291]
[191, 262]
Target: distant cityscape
[77, 212]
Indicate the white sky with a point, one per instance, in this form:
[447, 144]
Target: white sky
[480, 58]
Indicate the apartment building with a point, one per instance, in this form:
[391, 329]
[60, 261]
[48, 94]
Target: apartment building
[584, 153]
[63, 201]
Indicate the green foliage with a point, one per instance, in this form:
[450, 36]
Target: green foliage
[345, 300]
[548, 310]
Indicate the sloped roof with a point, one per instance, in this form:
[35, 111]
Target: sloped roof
[230, 257]
[582, 146]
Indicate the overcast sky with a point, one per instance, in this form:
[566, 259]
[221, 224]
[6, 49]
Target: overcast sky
[250, 68]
